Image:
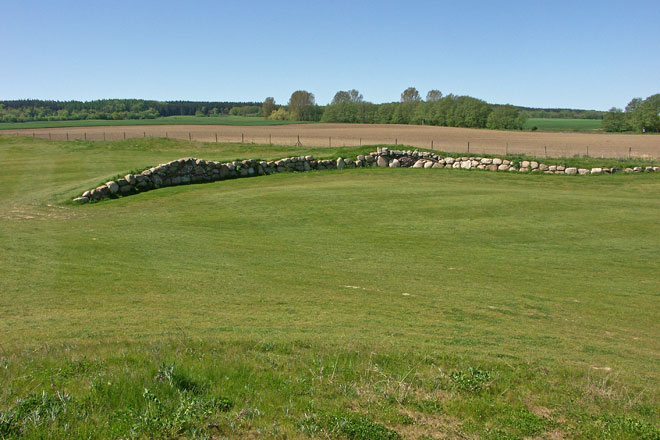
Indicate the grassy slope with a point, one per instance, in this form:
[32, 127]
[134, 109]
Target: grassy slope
[546, 285]
[182, 120]
[551, 124]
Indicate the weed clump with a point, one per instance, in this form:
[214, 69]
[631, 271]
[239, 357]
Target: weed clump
[33, 411]
[472, 380]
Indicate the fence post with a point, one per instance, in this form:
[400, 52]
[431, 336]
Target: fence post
[431, 144]
[189, 136]
[629, 152]
[506, 149]
[216, 138]
[104, 135]
[396, 141]
[49, 138]
[144, 134]
[242, 138]
[33, 134]
[360, 141]
[270, 139]
[124, 135]
[587, 150]
[67, 135]
[329, 141]
[468, 147]
[85, 135]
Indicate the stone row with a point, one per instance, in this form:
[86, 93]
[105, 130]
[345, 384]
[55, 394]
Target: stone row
[191, 170]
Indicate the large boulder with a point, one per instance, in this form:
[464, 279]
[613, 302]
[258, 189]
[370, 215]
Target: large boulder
[340, 163]
[570, 170]
[113, 187]
[395, 163]
[382, 162]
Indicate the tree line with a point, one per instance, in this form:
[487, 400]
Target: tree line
[349, 106]
[642, 115]
[41, 110]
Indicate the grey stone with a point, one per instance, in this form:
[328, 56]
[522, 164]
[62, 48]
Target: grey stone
[428, 164]
[569, 170]
[419, 164]
[583, 171]
[382, 162]
[341, 164]
[81, 199]
[112, 186]
[130, 178]
[497, 161]
[596, 171]
[503, 167]
[395, 163]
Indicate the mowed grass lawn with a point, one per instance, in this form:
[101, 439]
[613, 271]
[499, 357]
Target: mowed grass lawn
[556, 124]
[359, 304]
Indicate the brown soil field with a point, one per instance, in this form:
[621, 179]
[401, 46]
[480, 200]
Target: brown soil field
[439, 138]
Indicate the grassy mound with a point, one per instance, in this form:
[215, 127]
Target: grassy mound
[368, 303]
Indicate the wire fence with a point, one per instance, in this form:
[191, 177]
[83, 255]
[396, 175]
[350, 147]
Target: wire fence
[307, 139]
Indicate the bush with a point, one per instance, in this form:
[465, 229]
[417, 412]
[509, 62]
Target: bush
[280, 115]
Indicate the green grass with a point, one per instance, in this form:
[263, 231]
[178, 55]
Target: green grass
[551, 124]
[177, 120]
[365, 303]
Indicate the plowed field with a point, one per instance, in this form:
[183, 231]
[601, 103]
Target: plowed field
[439, 138]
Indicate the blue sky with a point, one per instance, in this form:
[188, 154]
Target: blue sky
[577, 54]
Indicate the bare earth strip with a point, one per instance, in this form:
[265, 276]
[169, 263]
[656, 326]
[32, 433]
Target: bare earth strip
[440, 138]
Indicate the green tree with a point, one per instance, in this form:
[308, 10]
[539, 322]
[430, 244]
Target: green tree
[506, 117]
[615, 120]
[411, 94]
[302, 106]
[268, 106]
[433, 95]
[347, 96]
[648, 114]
